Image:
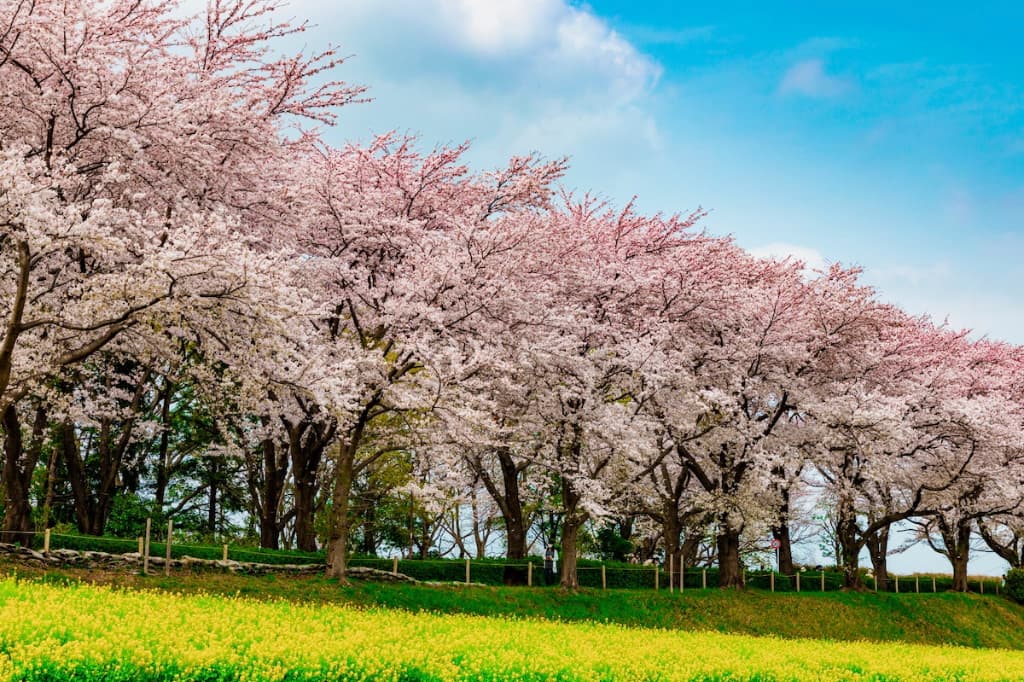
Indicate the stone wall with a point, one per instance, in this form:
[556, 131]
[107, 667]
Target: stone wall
[132, 563]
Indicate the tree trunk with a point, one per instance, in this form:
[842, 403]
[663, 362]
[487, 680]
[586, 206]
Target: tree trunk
[368, 542]
[958, 550]
[305, 497]
[571, 524]
[92, 511]
[70, 449]
[19, 464]
[211, 502]
[785, 551]
[111, 448]
[51, 480]
[1012, 551]
[671, 530]
[106, 479]
[780, 531]
[272, 472]
[306, 442]
[847, 530]
[266, 471]
[512, 514]
[339, 522]
[163, 464]
[510, 506]
[730, 570]
[424, 539]
[270, 532]
[690, 549]
[878, 548]
[959, 562]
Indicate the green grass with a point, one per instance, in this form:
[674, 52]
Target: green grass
[99, 634]
[944, 618]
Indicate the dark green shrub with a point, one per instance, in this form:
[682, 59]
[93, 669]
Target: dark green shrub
[1015, 584]
[612, 546]
[111, 545]
[810, 581]
[128, 515]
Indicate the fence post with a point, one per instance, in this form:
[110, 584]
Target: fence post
[142, 546]
[529, 574]
[897, 584]
[46, 541]
[656, 572]
[167, 561]
[671, 567]
[604, 578]
[467, 570]
[682, 574]
[917, 584]
[704, 578]
[771, 580]
[823, 581]
[145, 555]
[798, 581]
[224, 554]
[394, 565]
[933, 584]
[982, 583]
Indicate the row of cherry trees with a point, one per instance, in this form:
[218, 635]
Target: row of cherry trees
[195, 287]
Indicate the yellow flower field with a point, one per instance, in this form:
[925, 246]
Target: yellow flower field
[93, 633]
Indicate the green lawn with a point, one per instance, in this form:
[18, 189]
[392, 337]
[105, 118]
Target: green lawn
[944, 618]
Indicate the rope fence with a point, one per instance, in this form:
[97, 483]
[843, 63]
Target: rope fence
[591, 574]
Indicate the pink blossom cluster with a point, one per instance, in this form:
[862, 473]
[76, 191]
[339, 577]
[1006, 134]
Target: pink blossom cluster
[176, 231]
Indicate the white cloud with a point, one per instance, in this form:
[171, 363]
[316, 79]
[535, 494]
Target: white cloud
[585, 39]
[562, 128]
[496, 27]
[812, 258]
[986, 313]
[554, 34]
[913, 274]
[809, 78]
[511, 76]
[951, 292]
[546, 45]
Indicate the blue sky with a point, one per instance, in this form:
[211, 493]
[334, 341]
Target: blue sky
[884, 137]
[875, 135]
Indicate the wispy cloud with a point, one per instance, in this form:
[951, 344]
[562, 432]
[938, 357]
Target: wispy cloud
[812, 258]
[499, 27]
[547, 75]
[810, 79]
[915, 275]
[550, 44]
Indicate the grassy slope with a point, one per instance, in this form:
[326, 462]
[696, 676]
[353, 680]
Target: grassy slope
[945, 618]
[51, 634]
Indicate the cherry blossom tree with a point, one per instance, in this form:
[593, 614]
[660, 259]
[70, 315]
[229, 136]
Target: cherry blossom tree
[989, 480]
[409, 253]
[138, 148]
